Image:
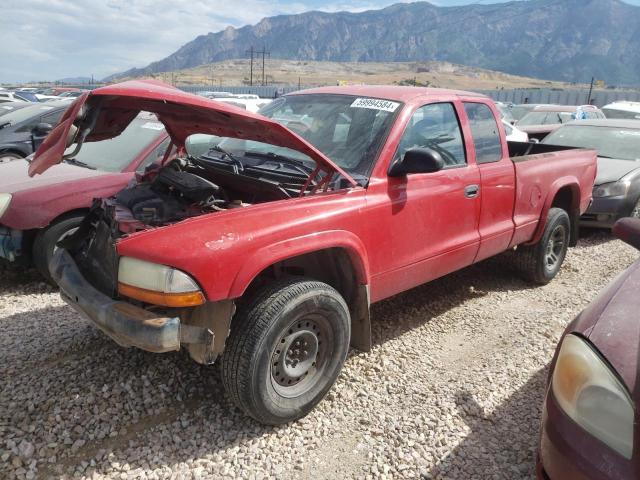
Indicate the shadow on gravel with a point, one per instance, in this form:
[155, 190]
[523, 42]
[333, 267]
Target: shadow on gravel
[21, 280]
[500, 445]
[393, 317]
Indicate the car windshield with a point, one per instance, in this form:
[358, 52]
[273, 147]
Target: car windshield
[28, 96]
[545, 118]
[347, 129]
[621, 143]
[117, 153]
[19, 116]
[621, 114]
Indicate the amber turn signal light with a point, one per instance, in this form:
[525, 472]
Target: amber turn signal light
[185, 299]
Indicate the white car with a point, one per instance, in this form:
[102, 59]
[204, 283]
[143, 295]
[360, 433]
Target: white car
[622, 110]
[9, 96]
[514, 134]
[249, 104]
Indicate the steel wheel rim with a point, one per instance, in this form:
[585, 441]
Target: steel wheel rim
[300, 355]
[555, 248]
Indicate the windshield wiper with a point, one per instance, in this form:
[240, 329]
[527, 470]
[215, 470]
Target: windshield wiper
[6, 124]
[227, 154]
[79, 163]
[297, 164]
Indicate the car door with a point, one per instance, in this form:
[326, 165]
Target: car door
[37, 134]
[427, 223]
[497, 177]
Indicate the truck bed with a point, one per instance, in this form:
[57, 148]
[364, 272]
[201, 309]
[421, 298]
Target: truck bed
[538, 169]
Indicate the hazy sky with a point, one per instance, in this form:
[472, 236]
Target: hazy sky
[53, 39]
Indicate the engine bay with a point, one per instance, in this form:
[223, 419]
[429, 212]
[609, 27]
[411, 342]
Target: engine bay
[186, 188]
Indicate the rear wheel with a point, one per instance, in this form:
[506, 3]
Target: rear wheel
[286, 349]
[541, 262]
[9, 157]
[45, 242]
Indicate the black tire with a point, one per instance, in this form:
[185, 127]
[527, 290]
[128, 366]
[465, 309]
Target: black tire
[535, 262]
[277, 316]
[46, 240]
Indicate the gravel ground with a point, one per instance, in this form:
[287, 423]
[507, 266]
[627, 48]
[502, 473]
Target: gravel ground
[452, 388]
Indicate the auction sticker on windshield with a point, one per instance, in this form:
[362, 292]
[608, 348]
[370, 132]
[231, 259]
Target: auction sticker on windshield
[375, 104]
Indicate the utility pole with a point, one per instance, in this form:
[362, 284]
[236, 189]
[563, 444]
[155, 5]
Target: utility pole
[590, 90]
[263, 53]
[251, 52]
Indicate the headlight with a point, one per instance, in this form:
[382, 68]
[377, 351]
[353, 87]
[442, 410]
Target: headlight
[5, 200]
[613, 189]
[157, 284]
[588, 391]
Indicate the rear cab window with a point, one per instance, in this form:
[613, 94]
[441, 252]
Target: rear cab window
[485, 132]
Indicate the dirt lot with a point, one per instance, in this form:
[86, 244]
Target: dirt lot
[452, 388]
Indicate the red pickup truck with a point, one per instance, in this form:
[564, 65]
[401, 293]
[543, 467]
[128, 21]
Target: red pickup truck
[269, 249]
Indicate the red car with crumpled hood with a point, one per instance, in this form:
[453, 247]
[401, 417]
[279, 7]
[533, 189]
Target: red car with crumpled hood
[268, 249]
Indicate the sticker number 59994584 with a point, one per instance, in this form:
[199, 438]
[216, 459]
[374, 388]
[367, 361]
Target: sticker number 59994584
[375, 104]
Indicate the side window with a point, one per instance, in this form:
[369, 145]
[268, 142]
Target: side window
[486, 136]
[53, 118]
[435, 126]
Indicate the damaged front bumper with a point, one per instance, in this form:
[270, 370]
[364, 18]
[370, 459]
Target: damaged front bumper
[10, 243]
[127, 324]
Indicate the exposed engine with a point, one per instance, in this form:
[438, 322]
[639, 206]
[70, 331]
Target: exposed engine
[174, 194]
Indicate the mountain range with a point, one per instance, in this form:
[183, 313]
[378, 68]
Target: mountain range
[567, 40]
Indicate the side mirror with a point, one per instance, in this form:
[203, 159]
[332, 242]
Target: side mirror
[417, 160]
[42, 129]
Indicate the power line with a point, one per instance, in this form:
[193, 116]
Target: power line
[251, 52]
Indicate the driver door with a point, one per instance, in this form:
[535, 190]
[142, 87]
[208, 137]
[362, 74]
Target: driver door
[430, 221]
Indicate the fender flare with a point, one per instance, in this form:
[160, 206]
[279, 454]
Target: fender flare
[560, 183]
[270, 254]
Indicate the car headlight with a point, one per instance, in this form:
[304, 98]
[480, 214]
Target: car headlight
[5, 200]
[591, 394]
[157, 284]
[613, 189]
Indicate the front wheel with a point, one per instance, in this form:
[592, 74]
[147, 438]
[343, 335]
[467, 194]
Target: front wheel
[286, 349]
[45, 243]
[541, 262]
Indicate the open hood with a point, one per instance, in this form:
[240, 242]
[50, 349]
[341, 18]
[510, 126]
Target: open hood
[105, 112]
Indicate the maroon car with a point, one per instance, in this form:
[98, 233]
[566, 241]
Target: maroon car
[37, 212]
[589, 420]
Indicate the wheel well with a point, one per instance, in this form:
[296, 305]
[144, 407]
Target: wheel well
[334, 267]
[12, 150]
[567, 198]
[78, 212]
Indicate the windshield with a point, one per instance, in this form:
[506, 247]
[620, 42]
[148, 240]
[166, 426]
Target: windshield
[621, 143]
[545, 118]
[347, 129]
[18, 116]
[117, 153]
[28, 96]
[622, 114]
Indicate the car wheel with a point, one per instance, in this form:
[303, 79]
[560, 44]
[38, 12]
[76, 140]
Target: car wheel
[541, 262]
[286, 349]
[9, 157]
[635, 212]
[45, 243]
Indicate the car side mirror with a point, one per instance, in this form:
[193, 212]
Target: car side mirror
[417, 160]
[42, 128]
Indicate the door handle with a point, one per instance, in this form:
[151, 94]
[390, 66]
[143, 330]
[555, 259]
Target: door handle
[471, 191]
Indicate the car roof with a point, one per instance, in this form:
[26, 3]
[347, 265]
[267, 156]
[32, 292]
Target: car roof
[611, 123]
[388, 92]
[559, 108]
